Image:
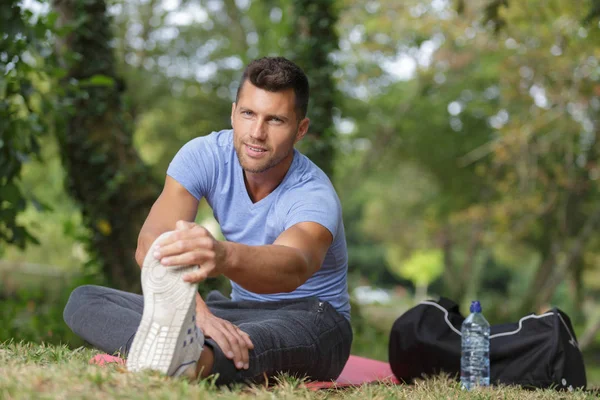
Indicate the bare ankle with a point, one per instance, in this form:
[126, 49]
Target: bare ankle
[205, 363]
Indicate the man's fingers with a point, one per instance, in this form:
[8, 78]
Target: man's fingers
[246, 338]
[174, 236]
[184, 230]
[238, 357]
[203, 272]
[240, 343]
[184, 245]
[218, 336]
[195, 257]
[199, 275]
[182, 225]
[231, 340]
[232, 345]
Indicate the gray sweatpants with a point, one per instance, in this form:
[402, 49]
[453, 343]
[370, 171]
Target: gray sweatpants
[305, 337]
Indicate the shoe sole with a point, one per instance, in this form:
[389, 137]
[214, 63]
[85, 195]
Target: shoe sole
[167, 304]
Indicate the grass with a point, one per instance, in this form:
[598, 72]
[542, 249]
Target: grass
[56, 372]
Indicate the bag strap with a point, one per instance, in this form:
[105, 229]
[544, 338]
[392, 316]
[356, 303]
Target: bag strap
[452, 316]
[566, 322]
[449, 305]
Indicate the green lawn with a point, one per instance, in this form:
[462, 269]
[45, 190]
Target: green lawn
[54, 372]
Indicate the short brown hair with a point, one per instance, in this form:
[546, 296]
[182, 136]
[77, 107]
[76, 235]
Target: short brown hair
[275, 74]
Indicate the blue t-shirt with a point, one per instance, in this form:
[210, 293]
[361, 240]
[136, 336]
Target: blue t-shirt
[208, 167]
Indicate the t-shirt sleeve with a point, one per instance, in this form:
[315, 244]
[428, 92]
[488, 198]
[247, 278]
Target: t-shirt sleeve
[195, 166]
[318, 205]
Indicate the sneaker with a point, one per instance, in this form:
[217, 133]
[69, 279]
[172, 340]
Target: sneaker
[167, 339]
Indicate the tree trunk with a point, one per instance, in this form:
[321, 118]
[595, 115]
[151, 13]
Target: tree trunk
[316, 39]
[542, 274]
[548, 246]
[452, 282]
[420, 293]
[591, 330]
[550, 273]
[471, 280]
[574, 255]
[104, 173]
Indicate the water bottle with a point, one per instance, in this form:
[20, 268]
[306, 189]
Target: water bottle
[475, 354]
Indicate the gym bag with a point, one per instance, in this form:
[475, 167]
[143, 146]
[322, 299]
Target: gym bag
[538, 351]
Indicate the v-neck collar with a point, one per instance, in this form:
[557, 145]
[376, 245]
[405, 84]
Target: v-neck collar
[267, 199]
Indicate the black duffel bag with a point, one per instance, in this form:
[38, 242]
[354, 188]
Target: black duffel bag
[538, 351]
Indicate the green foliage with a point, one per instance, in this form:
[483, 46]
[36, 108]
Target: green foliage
[500, 126]
[370, 339]
[32, 306]
[492, 14]
[25, 63]
[172, 102]
[422, 267]
[61, 232]
[553, 195]
[34, 317]
[594, 12]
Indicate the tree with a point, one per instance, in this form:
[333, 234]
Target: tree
[502, 121]
[315, 42]
[25, 62]
[544, 157]
[113, 187]
[422, 268]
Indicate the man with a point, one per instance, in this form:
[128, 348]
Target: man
[285, 253]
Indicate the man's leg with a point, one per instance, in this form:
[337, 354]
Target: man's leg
[104, 317]
[302, 337]
[108, 319]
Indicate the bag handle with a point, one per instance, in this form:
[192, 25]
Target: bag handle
[449, 305]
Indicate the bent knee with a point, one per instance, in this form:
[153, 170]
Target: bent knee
[80, 297]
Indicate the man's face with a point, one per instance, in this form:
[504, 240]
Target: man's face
[265, 127]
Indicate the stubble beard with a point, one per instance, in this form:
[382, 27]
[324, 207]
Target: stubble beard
[270, 164]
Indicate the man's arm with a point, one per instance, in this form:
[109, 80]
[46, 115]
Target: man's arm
[281, 267]
[174, 203]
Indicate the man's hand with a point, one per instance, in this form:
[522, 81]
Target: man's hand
[192, 244]
[234, 342]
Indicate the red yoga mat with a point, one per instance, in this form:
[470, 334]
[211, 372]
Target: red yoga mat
[358, 371]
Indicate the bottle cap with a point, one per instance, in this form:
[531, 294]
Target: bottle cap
[475, 306]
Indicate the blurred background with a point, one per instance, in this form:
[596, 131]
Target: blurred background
[462, 137]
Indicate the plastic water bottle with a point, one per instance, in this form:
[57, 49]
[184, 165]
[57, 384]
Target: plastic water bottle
[475, 354]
